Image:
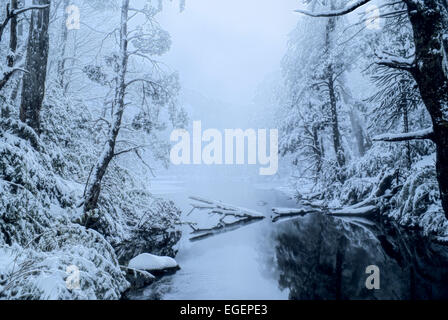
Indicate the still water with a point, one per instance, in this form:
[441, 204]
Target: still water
[310, 257]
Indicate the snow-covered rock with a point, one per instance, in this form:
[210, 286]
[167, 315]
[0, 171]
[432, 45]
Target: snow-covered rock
[149, 262]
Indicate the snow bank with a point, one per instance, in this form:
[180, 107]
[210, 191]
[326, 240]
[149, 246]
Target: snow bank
[149, 262]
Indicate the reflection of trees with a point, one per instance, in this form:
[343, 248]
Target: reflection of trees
[322, 258]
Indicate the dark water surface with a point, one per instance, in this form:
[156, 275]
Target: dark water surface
[310, 257]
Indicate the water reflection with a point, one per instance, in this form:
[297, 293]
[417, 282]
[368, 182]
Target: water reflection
[320, 257]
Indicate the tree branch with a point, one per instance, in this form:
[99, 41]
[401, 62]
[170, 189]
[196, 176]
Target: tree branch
[335, 13]
[8, 75]
[129, 150]
[417, 135]
[239, 217]
[395, 62]
[14, 13]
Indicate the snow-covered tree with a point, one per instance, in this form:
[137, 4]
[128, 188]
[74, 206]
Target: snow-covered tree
[316, 102]
[48, 159]
[427, 65]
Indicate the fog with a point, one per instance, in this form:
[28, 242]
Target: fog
[223, 52]
[224, 49]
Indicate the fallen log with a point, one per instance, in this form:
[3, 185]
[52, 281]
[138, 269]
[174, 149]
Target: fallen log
[280, 214]
[364, 209]
[201, 234]
[359, 212]
[241, 216]
[356, 212]
[284, 213]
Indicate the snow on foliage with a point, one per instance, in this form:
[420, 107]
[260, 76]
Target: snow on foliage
[345, 143]
[418, 203]
[37, 238]
[43, 176]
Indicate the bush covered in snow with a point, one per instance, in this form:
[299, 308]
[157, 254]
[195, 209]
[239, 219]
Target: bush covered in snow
[418, 203]
[53, 128]
[37, 238]
[41, 181]
[42, 271]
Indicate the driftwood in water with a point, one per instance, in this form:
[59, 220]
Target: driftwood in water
[284, 213]
[361, 212]
[368, 208]
[241, 215]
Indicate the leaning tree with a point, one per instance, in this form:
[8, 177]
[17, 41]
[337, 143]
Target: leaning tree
[139, 83]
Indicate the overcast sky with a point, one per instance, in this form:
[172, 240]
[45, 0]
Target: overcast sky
[224, 48]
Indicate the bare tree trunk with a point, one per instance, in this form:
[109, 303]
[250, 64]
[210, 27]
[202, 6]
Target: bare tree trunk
[12, 47]
[16, 31]
[330, 79]
[405, 110]
[340, 157]
[15, 90]
[94, 186]
[33, 88]
[13, 35]
[317, 149]
[358, 132]
[64, 36]
[5, 112]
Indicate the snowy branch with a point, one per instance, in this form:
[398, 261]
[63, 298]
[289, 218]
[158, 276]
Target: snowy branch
[365, 211]
[283, 213]
[335, 13]
[239, 217]
[8, 75]
[151, 83]
[130, 150]
[10, 14]
[417, 135]
[406, 64]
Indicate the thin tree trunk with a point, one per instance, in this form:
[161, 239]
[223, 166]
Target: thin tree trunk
[330, 79]
[12, 48]
[358, 132]
[405, 110]
[13, 35]
[340, 157]
[94, 186]
[317, 149]
[33, 88]
[64, 37]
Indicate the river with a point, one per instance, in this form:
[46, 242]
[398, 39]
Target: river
[310, 257]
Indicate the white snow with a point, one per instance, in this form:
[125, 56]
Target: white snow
[150, 262]
[354, 211]
[289, 210]
[421, 134]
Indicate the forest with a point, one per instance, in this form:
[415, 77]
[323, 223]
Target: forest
[88, 102]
